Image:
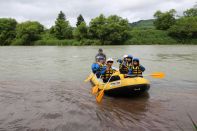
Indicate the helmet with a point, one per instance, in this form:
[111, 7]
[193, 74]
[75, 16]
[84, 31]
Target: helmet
[130, 56]
[100, 58]
[125, 56]
[110, 59]
[136, 59]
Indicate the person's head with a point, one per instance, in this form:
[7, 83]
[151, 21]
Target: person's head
[100, 50]
[136, 61]
[129, 58]
[110, 62]
[101, 60]
[125, 57]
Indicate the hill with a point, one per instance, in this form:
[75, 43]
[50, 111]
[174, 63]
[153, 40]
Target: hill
[143, 24]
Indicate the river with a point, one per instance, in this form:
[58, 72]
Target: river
[42, 88]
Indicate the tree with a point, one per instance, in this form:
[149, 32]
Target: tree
[62, 28]
[111, 30]
[81, 31]
[190, 12]
[80, 19]
[164, 21]
[96, 29]
[7, 30]
[184, 28]
[29, 31]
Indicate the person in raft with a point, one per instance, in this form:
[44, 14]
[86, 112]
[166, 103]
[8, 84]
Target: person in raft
[122, 65]
[107, 72]
[100, 54]
[126, 64]
[136, 69]
[97, 67]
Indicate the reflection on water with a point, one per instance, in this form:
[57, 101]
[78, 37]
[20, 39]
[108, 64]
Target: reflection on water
[42, 88]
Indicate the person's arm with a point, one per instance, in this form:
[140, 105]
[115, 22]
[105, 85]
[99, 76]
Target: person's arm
[130, 72]
[103, 70]
[95, 67]
[142, 68]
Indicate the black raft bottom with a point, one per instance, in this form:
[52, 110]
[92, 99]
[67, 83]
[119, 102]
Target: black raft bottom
[127, 91]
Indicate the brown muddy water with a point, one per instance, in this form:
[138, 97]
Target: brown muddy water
[42, 88]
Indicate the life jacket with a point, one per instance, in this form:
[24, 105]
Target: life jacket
[108, 74]
[136, 70]
[129, 65]
[100, 65]
[124, 68]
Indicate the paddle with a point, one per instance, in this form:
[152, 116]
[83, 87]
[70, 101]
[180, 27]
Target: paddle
[101, 93]
[89, 77]
[159, 75]
[96, 87]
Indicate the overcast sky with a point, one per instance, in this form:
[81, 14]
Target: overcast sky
[45, 11]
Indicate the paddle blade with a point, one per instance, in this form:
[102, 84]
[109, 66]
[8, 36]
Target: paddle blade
[158, 75]
[100, 96]
[89, 78]
[95, 89]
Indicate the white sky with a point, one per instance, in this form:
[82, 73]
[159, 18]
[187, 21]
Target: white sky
[45, 11]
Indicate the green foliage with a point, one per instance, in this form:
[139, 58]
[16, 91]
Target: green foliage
[29, 31]
[104, 31]
[7, 30]
[143, 24]
[56, 42]
[184, 28]
[81, 31]
[90, 42]
[62, 28]
[164, 21]
[150, 36]
[111, 30]
[80, 19]
[190, 12]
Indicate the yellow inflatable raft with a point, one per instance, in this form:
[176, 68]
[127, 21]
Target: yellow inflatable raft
[122, 87]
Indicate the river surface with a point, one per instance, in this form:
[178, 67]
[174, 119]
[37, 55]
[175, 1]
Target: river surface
[42, 88]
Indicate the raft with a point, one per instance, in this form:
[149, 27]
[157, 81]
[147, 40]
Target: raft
[123, 87]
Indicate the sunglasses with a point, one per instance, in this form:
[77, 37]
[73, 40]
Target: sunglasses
[110, 62]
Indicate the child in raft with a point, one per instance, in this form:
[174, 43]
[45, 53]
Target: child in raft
[107, 72]
[136, 69]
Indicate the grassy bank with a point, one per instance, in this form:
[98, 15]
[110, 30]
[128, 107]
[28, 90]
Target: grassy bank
[143, 36]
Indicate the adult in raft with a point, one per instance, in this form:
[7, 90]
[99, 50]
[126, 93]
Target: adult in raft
[107, 72]
[100, 54]
[97, 67]
[136, 69]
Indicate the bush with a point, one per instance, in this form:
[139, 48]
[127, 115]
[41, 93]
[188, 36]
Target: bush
[29, 31]
[57, 42]
[184, 28]
[150, 36]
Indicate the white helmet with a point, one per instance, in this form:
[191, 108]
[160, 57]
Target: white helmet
[110, 59]
[125, 56]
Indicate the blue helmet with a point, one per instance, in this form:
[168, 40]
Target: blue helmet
[136, 59]
[130, 56]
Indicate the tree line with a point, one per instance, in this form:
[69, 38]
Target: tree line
[101, 30]
[180, 27]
